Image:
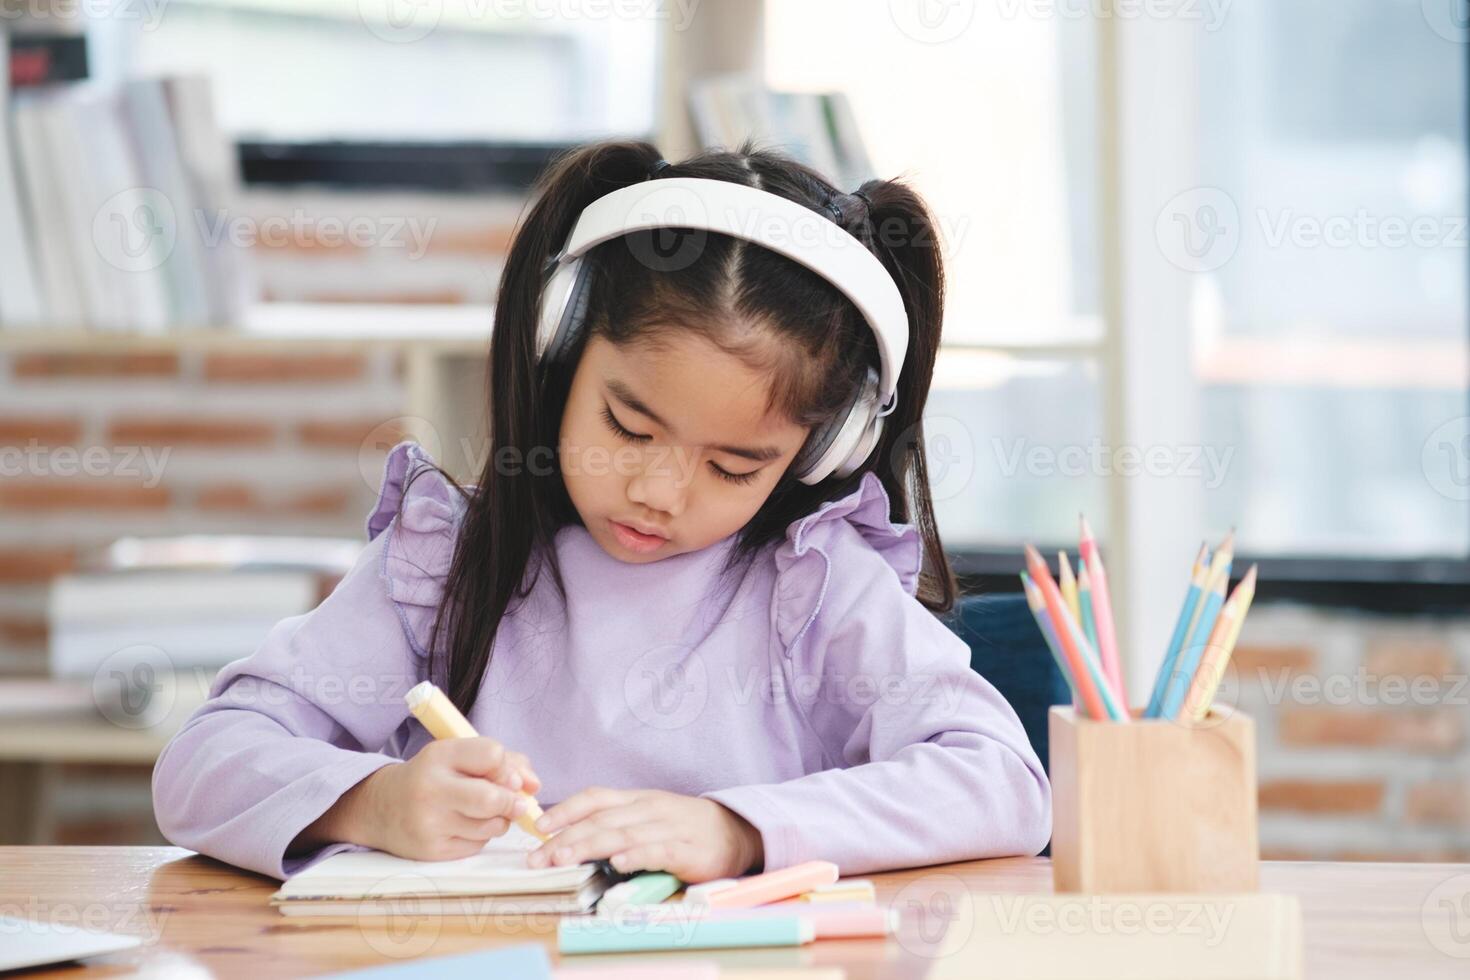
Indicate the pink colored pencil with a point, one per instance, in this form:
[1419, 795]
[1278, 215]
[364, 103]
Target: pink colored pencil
[1102, 612]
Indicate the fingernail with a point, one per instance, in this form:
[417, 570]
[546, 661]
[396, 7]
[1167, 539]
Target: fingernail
[515, 780]
[519, 807]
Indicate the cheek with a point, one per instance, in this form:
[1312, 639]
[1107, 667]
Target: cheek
[593, 460]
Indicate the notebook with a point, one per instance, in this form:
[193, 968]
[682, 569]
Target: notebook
[493, 881]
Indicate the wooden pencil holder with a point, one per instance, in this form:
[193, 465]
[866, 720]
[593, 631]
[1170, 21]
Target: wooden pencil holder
[1153, 805]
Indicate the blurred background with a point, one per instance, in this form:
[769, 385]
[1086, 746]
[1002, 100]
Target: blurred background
[1208, 270]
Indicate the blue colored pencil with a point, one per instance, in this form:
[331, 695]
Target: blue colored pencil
[1183, 674]
[1084, 601]
[1197, 578]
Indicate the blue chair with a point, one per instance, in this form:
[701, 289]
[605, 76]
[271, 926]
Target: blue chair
[1008, 650]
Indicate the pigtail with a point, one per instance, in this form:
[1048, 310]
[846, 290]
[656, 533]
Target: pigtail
[902, 233]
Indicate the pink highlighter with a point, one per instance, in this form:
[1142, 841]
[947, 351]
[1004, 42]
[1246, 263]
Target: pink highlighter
[731, 893]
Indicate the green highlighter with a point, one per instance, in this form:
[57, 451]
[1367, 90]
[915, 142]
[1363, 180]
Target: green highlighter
[609, 935]
[648, 888]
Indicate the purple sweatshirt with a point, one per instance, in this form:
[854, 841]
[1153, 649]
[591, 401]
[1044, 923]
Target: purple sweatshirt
[808, 691]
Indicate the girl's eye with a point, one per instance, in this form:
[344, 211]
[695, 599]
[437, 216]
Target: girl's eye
[612, 423]
[737, 478]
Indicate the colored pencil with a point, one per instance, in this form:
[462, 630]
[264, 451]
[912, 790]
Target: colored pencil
[1194, 648]
[1102, 611]
[1221, 560]
[1084, 599]
[1092, 700]
[1212, 668]
[1068, 584]
[1181, 626]
[1043, 623]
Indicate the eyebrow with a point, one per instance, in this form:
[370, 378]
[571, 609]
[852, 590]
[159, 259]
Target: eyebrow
[624, 394]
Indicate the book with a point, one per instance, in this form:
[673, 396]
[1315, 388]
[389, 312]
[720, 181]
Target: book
[198, 618]
[818, 129]
[20, 292]
[496, 880]
[42, 190]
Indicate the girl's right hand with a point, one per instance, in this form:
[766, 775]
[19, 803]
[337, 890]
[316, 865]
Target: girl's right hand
[442, 804]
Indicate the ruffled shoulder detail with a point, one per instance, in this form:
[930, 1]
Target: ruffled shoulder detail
[420, 511]
[836, 535]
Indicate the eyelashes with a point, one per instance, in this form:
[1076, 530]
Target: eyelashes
[612, 423]
[739, 479]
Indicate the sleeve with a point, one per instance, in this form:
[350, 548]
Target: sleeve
[926, 762]
[289, 729]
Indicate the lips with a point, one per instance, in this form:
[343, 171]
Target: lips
[634, 539]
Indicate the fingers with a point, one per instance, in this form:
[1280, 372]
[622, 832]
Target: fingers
[658, 855]
[480, 799]
[530, 782]
[464, 828]
[474, 757]
[487, 758]
[581, 805]
[589, 842]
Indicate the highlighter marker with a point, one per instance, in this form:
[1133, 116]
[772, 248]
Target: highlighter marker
[444, 720]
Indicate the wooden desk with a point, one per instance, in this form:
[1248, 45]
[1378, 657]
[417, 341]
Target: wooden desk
[201, 918]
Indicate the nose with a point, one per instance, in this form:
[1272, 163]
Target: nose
[659, 485]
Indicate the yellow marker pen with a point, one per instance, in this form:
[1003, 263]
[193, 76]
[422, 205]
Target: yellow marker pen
[443, 720]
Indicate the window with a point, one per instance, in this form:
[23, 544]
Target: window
[1331, 340]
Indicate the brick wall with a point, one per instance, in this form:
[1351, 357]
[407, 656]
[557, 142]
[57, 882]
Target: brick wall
[1362, 721]
[97, 445]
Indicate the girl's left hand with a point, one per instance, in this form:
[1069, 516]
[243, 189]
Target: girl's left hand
[690, 837]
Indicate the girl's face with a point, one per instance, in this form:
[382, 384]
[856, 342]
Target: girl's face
[672, 441]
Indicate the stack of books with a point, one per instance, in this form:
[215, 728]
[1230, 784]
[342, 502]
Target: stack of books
[115, 200]
[200, 601]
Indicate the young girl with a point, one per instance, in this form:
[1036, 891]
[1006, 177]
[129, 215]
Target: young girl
[684, 604]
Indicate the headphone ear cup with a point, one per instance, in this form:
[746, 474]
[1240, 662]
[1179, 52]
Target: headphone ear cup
[563, 310]
[845, 443]
[867, 442]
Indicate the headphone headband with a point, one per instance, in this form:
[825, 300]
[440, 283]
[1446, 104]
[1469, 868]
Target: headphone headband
[768, 220]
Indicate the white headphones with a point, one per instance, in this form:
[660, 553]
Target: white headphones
[773, 222]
